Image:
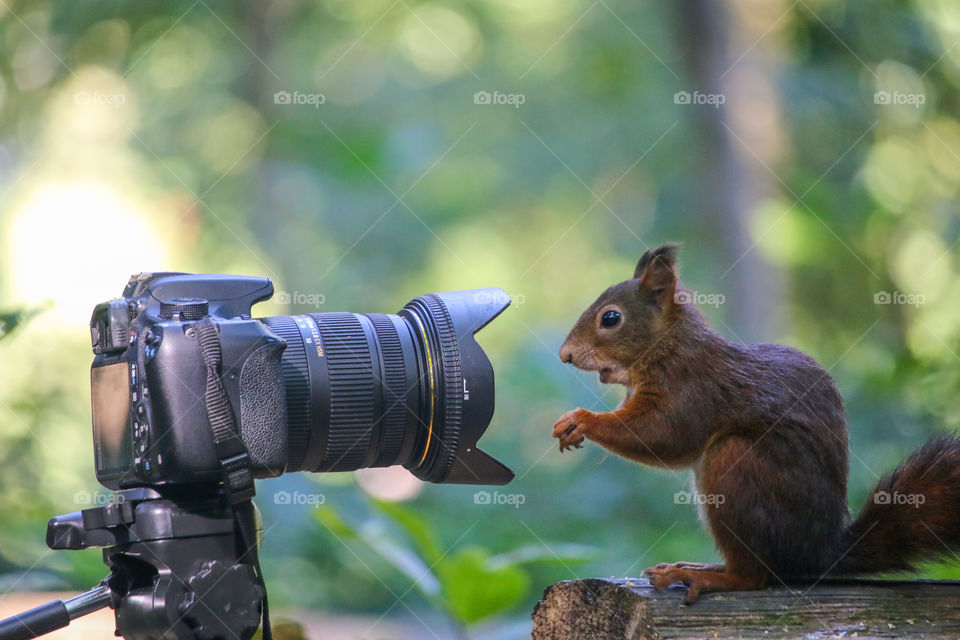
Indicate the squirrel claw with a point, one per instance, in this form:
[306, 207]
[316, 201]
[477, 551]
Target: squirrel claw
[568, 442]
[691, 595]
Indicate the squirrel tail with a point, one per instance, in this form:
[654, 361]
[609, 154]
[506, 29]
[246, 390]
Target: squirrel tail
[913, 514]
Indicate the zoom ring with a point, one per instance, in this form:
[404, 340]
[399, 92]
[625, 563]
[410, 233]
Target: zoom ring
[394, 392]
[296, 376]
[351, 391]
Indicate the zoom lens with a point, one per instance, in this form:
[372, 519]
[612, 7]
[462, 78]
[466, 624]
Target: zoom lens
[375, 390]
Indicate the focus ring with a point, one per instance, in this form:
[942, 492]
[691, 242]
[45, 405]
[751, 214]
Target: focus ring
[296, 376]
[351, 391]
[394, 392]
[436, 466]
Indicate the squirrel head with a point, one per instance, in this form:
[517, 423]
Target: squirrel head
[627, 319]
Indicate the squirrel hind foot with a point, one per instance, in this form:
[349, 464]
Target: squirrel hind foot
[702, 578]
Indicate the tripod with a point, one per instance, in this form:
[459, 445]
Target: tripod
[180, 568]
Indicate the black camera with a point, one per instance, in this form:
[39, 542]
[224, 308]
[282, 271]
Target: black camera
[311, 392]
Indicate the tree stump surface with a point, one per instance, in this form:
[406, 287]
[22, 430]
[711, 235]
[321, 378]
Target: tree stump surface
[630, 609]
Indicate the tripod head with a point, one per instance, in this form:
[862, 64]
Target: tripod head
[180, 567]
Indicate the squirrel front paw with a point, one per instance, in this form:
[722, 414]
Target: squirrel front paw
[571, 428]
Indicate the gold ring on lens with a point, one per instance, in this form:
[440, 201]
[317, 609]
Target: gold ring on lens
[426, 342]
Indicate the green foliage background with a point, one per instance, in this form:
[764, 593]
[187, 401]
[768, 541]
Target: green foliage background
[399, 183]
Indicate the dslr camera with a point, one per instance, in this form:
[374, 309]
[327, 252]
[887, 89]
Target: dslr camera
[311, 392]
[193, 398]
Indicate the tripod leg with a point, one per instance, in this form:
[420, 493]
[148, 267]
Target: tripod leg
[53, 615]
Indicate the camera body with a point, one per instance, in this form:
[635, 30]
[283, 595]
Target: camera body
[332, 391]
[150, 422]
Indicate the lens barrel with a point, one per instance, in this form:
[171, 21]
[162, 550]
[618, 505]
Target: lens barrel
[375, 390]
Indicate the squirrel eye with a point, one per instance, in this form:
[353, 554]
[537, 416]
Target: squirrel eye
[610, 318]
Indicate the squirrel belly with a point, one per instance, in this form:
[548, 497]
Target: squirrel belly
[764, 428]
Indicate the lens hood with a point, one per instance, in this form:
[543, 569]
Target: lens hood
[463, 385]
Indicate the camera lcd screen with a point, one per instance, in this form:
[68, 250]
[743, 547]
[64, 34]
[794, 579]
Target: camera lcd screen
[112, 441]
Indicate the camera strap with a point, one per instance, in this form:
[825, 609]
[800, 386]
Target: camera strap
[232, 452]
[234, 459]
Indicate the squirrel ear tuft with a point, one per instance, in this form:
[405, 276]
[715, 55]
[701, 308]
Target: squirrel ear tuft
[656, 270]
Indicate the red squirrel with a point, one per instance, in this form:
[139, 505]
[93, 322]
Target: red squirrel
[762, 427]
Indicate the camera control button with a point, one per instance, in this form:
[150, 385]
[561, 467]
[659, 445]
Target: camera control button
[142, 466]
[184, 308]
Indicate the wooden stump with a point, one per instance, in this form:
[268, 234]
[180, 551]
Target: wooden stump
[629, 609]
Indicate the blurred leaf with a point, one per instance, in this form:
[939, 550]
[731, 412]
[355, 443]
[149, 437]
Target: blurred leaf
[375, 535]
[11, 320]
[554, 553]
[474, 589]
[332, 521]
[415, 527]
[948, 570]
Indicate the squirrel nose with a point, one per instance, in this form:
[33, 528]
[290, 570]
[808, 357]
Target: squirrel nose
[566, 353]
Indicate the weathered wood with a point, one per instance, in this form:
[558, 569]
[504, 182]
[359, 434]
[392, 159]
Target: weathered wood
[629, 609]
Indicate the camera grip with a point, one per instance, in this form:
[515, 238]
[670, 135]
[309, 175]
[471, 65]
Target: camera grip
[263, 410]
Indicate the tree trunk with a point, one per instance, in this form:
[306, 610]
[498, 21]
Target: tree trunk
[622, 609]
[730, 50]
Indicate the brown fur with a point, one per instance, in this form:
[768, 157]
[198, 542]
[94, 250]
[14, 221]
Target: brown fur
[763, 427]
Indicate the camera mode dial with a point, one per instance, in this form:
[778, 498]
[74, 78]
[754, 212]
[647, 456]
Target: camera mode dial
[186, 308]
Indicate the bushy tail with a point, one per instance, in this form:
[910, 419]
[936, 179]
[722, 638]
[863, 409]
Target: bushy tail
[912, 516]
